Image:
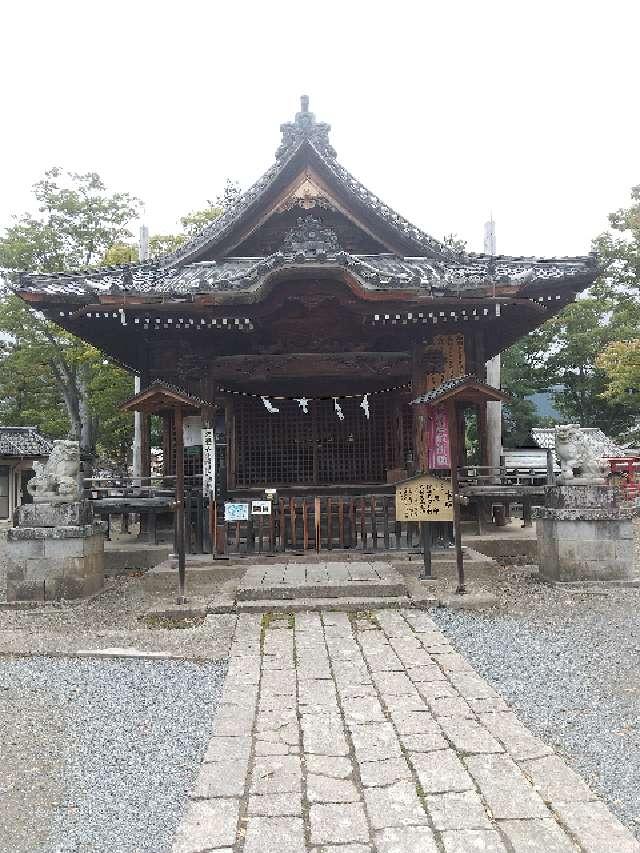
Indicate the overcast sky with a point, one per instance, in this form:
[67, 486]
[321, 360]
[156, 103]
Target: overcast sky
[446, 110]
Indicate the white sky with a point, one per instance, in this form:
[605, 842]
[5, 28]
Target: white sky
[447, 110]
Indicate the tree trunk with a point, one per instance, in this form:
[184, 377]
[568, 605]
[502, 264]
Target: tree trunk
[87, 419]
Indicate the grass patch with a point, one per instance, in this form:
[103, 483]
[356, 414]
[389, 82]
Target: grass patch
[356, 616]
[271, 620]
[154, 621]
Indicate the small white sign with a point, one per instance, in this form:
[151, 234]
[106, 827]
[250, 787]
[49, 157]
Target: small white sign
[260, 507]
[236, 512]
[208, 462]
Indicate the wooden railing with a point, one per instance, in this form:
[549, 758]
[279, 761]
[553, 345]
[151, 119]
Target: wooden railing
[507, 475]
[365, 523]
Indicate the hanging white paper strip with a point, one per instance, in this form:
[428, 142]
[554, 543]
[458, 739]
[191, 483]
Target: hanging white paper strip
[269, 405]
[303, 402]
[364, 405]
[338, 408]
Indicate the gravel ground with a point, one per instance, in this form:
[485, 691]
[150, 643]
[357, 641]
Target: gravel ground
[570, 666]
[111, 619]
[99, 755]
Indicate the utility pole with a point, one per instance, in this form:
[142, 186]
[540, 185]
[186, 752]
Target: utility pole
[143, 254]
[494, 409]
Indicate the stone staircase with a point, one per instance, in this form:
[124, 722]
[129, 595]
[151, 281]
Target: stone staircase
[320, 585]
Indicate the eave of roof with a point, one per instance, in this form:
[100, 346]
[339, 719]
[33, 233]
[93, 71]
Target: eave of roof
[481, 273]
[467, 387]
[160, 396]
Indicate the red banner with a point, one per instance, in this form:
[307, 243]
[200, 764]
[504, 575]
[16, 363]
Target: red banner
[438, 439]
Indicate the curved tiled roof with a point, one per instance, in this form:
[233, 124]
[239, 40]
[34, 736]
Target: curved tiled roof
[23, 441]
[433, 265]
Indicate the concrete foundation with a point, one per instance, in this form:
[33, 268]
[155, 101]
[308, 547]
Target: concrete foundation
[51, 563]
[584, 535]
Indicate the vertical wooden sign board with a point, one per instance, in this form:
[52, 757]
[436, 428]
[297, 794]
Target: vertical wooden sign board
[425, 499]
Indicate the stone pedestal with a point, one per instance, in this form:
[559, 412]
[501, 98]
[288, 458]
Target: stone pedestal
[59, 553]
[583, 534]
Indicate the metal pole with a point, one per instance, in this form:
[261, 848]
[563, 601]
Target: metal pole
[425, 530]
[180, 504]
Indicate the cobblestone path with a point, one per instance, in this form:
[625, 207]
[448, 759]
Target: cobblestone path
[363, 733]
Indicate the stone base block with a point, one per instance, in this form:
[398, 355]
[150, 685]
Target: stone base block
[73, 514]
[588, 547]
[51, 563]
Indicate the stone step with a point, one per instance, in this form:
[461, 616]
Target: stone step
[297, 605]
[363, 589]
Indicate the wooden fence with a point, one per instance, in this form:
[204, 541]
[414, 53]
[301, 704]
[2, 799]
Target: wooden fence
[301, 524]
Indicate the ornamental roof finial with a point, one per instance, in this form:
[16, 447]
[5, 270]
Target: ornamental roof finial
[305, 126]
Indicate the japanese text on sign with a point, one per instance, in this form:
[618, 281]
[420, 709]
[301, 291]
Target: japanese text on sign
[208, 462]
[236, 512]
[438, 439]
[424, 499]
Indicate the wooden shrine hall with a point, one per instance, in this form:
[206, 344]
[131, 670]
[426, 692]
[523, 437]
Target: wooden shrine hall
[305, 320]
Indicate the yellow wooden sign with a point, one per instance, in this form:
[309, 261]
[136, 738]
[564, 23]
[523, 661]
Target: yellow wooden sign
[424, 498]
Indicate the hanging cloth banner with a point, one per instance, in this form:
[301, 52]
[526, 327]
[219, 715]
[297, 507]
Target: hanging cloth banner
[438, 439]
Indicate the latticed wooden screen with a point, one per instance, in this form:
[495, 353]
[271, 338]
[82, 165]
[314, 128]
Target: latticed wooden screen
[291, 448]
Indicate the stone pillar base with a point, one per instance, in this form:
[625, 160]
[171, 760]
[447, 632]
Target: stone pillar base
[51, 563]
[589, 544]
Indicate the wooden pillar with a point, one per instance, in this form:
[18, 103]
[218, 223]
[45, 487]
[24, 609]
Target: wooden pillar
[167, 449]
[145, 445]
[180, 503]
[454, 452]
[481, 415]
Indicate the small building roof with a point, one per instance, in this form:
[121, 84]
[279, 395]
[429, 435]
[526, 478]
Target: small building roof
[23, 441]
[160, 396]
[467, 388]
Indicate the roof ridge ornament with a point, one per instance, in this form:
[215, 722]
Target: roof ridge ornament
[310, 238]
[305, 126]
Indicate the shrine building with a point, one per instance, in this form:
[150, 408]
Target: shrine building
[304, 322]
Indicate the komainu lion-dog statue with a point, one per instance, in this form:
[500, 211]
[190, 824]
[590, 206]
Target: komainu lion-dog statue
[56, 481]
[578, 461]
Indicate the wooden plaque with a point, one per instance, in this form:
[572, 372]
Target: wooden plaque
[424, 498]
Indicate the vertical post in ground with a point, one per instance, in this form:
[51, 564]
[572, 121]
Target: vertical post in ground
[180, 504]
[454, 451]
[425, 529]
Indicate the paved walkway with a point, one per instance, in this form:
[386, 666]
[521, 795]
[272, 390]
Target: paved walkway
[371, 734]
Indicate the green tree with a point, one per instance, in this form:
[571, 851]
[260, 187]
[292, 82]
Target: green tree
[76, 223]
[577, 349]
[48, 377]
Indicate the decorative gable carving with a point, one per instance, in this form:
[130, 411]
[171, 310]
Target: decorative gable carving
[310, 237]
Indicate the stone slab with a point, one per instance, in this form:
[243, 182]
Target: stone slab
[526, 836]
[457, 811]
[411, 839]
[337, 824]
[502, 784]
[395, 805]
[473, 841]
[207, 824]
[555, 781]
[595, 828]
[266, 834]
